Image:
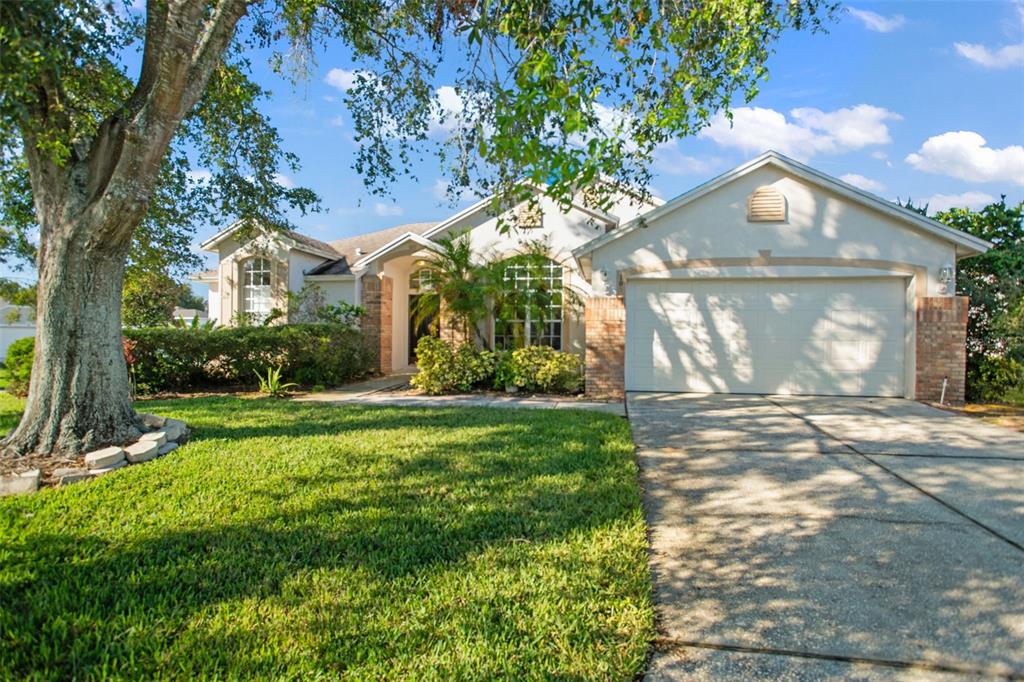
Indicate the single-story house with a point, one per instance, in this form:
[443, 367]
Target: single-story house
[770, 278]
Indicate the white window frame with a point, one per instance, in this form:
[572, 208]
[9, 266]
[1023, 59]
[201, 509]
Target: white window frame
[545, 332]
[257, 293]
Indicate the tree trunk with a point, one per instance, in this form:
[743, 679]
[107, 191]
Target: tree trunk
[79, 398]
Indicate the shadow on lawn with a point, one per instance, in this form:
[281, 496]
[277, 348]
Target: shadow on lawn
[76, 603]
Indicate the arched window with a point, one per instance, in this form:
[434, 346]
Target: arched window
[256, 288]
[532, 314]
[420, 281]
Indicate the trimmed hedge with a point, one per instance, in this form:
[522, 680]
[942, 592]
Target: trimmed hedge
[169, 358]
[177, 359]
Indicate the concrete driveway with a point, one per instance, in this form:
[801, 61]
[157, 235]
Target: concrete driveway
[831, 538]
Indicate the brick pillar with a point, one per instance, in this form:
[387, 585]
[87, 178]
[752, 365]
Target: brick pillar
[448, 329]
[941, 347]
[605, 321]
[377, 299]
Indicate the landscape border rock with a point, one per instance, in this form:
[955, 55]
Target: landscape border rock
[153, 436]
[20, 483]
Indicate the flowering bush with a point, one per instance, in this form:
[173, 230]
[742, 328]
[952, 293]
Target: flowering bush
[446, 369]
[540, 368]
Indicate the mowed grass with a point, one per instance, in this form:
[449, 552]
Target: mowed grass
[306, 541]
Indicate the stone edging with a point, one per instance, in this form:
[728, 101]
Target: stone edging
[156, 437]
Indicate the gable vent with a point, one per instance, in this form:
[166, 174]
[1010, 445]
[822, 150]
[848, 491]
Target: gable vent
[766, 205]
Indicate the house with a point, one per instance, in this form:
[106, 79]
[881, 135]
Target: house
[771, 278]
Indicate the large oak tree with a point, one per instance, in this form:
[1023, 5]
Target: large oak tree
[105, 110]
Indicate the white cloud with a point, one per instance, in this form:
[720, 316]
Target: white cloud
[866, 184]
[199, 175]
[880, 155]
[670, 159]
[877, 22]
[338, 122]
[284, 180]
[441, 187]
[811, 132]
[446, 112]
[383, 209]
[963, 154]
[944, 202]
[1001, 58]
[344, 79]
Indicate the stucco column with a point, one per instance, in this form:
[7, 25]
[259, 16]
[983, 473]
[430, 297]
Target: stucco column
[941, 347]
[376, 297]
[605, 326]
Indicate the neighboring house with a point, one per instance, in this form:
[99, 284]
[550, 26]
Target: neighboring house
[771, 278]
[16, 322]
[189, 315]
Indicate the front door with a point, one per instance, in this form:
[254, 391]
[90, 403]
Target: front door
[417, 331]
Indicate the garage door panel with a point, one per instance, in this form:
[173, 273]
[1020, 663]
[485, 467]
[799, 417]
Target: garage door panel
[843, 337]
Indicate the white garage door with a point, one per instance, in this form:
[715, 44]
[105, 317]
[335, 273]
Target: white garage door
[797, 336]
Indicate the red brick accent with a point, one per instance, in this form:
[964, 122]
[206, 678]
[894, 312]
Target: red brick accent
[941, 347]
[448, 329]
[605, 325]
[377, 300]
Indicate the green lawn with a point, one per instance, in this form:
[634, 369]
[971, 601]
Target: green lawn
[307, 541]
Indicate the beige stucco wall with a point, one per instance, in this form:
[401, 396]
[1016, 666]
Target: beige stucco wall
[286, 274]
[821, 225]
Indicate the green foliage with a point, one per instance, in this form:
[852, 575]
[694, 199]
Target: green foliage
[148, 298]
[540, 368]
[475, 288]
[994, 282]
[996, 379]
[309, 305]
[272, 385]
[173, 359]
[384, 543]
[445, 369]
[64, 76]
[17, 294]
[453, 275]
[188, 298]
[19, 365]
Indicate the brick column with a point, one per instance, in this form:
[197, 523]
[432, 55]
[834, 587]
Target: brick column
[605, 322]
[448, 329]
[377, 299]
[941, 347]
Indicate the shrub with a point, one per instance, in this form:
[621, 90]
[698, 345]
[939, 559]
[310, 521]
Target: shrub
[178, 359]
[446, 369]
[995, 379]
[19, 364]
[541, 368]
[169, 358]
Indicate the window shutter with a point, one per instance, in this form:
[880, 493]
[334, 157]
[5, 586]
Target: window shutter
[766, 205]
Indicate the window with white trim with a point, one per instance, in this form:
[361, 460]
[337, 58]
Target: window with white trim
[532, 325]
[256, 295]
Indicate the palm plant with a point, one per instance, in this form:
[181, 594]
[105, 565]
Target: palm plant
[475, 289]
[451, 275]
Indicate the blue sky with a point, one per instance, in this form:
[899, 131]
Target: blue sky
[921, 99]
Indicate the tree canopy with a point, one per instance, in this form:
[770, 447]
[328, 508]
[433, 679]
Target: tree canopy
[558, 93]
[121, 130]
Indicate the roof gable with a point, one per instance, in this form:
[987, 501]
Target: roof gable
[966, 242]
